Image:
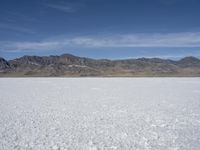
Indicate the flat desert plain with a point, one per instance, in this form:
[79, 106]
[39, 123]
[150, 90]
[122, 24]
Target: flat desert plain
[99, 113]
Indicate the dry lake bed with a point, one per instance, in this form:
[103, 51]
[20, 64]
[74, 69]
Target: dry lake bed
[99, 113]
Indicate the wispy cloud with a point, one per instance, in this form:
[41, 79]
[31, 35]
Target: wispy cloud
[188, 39]
[66, 6]
[140, 40]
[13, 27]
[171, 2]
[16, 17]
[14, 21]
[63, 8]
[20, 16]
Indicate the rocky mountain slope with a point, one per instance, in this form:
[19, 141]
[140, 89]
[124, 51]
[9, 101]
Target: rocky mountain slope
[70, 65]
[4, 65]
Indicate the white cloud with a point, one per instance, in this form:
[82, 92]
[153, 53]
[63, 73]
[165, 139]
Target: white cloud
[188, 39]
[66, 6]
[63, 8]
[9, 26]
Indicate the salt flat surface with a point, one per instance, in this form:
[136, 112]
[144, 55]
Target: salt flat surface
[99, 113]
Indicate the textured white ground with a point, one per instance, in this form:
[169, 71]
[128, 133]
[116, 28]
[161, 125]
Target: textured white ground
[99, 113]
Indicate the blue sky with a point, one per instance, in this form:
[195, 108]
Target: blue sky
[100, 28]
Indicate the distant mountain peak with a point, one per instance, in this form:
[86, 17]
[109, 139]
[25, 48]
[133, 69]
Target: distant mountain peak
[4, 65]
[67, 55]
[190, 58]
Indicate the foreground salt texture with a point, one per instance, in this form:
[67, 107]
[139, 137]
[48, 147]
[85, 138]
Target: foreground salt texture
[99, 113]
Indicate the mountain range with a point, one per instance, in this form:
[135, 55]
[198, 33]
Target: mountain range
[68, 65]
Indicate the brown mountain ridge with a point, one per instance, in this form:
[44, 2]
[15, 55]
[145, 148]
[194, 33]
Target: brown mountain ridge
[68, 65]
